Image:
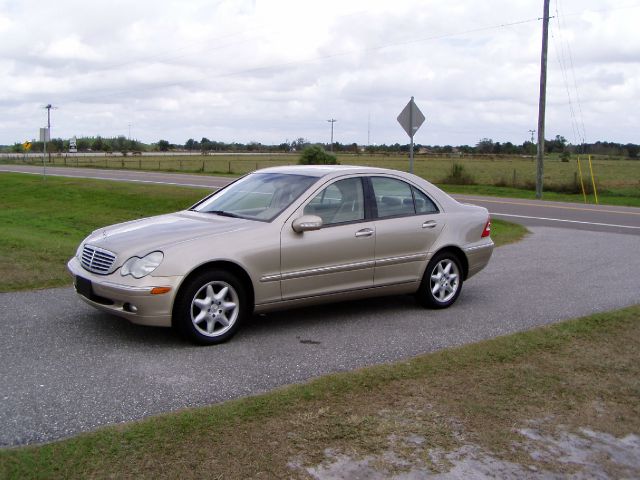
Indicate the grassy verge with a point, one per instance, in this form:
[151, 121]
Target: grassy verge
[580, 373]
[622, 197]
[43, 221]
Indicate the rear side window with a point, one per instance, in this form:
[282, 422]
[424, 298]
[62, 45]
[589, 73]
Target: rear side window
[393, 197]
[423, 203]
[397, 198]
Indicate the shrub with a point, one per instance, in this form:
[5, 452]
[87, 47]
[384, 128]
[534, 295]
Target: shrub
[316, 155]
[458, 176]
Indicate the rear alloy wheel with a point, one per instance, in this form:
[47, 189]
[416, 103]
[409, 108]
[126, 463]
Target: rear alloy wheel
[442, 281]
[211, 307]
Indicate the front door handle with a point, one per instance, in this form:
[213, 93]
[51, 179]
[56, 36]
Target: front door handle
[365, 232]
[429, 224]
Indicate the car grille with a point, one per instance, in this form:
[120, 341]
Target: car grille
[97, 260]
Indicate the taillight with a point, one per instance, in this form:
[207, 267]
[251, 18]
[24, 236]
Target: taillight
[487, 229]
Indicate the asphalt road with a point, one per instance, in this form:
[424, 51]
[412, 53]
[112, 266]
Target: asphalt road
[67, 368]
[603, 218]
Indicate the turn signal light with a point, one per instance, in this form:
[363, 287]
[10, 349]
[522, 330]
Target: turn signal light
[487, 229]
[160, 290]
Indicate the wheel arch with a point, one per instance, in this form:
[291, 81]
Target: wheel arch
[227, 266]
[459, 253]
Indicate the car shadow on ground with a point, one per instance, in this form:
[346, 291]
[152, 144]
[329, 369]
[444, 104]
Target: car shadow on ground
[114, 330]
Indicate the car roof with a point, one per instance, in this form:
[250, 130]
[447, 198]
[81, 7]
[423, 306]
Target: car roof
[324, 170]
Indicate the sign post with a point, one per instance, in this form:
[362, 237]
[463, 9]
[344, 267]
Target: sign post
[411, 118]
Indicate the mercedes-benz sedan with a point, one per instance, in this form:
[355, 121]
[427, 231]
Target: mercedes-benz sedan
[284, 237]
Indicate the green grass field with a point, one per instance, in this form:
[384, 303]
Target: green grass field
[617, 180]
[400, 415]
[45, 220]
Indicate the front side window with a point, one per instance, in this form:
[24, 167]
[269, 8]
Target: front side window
[340, 202]
[259, 196]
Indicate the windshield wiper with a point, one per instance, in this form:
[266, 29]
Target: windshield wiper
[223, 213]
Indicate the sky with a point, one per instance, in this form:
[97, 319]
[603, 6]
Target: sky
[272, 71]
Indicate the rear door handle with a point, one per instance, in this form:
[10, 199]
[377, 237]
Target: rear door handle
[429, 224]
[365, 232]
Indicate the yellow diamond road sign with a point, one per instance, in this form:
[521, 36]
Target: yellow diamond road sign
[27, 145]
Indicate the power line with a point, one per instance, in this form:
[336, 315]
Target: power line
[307, 60]
[577, 124]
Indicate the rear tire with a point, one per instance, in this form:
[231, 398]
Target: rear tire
[211, 307]
[442, 281]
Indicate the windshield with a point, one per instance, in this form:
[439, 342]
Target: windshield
[259, 196]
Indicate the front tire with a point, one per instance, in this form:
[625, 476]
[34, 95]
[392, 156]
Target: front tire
[211, 307]
[442, 281]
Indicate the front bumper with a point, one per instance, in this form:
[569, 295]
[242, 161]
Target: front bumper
[125, 296]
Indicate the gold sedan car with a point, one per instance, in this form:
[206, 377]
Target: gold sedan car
[284, 237]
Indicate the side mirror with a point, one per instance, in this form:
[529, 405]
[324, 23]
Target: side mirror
[307, 223]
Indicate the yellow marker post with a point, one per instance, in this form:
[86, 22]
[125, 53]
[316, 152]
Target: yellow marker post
[593, 181]
[584, 195]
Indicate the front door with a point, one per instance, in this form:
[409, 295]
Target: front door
[339, 256]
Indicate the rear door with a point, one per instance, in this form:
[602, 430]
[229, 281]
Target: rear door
[407, 224]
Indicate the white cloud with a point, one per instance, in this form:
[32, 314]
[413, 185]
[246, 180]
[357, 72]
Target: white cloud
[275, 69]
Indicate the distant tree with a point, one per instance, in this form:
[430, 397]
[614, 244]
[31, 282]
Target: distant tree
[299, 144]
[191, 145]
[557, 145]
[206, 145]
[316, 155]
[485, 145]
[528, 147]
[163, 145]
[98, 144]
[83, 144]
[632, 150]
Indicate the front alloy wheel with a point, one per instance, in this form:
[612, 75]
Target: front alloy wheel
[214, 309]
[211, 307]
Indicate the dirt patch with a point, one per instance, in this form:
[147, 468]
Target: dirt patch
[584, 454]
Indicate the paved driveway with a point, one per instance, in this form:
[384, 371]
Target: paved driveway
[66, 368]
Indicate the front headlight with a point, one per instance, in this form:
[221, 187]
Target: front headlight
[140, 267]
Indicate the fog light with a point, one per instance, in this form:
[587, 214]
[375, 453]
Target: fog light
[127, 307]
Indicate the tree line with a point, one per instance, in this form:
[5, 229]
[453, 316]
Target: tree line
[484, 146]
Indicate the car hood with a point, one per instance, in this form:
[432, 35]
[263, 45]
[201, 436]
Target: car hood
[146, 235]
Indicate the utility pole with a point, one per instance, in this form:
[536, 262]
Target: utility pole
[542, 102]
[532, 132]
[331, 121]
[48, 135]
